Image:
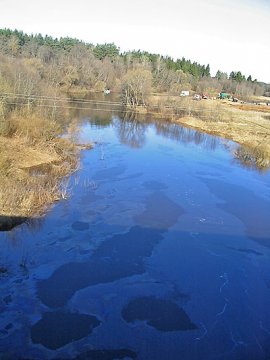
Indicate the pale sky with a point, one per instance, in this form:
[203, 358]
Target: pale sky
[230, 35]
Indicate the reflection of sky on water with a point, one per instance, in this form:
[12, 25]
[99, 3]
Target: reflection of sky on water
[160, 217]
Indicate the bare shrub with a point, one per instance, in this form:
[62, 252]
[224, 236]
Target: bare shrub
[135, 87]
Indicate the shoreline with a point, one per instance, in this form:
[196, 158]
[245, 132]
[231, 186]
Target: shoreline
[37, 174]
[248, 128]
[35, 164]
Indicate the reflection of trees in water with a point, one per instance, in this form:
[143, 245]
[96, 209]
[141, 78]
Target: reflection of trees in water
[131, 129]
[129, 116]
[98, 115]
[131, 126]
[253, 158]
[131, 133]
[186, 135]
[132, 116]
[101, 118]
[97, 107]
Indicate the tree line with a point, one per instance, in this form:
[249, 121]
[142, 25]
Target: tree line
[30, 62]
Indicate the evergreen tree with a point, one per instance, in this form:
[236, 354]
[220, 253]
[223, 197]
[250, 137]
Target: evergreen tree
[103, 50]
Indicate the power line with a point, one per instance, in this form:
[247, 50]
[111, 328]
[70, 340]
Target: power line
[194, 110]
[97, 102]
[104, 110]
[76, 108]
[56, 99]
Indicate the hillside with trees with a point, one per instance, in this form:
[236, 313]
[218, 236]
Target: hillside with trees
[29, 62]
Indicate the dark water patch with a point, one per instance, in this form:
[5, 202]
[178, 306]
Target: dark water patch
[247, 251]
[107, 355]
[7, 299]
[57, 329]
[7, 223]
[109, 173]
[154, 185]
[163, 315]
[130, 247]
[9, 326]
[160, 212]
[18, 281]
[179, 296]
[3, 270]
[116, 258]
[80, 226]
[53, 243]
[70, 249]
[71, 277]
[252, 210]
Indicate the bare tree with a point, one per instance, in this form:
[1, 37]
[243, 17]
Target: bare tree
[136, 86]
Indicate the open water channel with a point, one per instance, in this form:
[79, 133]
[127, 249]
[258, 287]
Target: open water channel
[162, 251]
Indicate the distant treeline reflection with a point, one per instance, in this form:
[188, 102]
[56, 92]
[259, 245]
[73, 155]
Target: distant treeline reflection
[132, 126]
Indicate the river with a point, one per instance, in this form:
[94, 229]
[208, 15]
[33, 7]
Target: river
[161, 251]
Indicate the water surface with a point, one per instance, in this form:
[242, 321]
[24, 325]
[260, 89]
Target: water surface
[161, 252]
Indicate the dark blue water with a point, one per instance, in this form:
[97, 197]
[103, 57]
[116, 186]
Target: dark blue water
[161, 252]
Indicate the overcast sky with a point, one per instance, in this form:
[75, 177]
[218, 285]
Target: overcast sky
[227, 34]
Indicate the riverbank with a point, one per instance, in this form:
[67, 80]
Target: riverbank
[151, 195]
[34, 160]
[236, 122]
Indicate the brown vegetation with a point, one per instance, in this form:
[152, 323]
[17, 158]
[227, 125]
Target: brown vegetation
[32, 163]
[33, 156]
[135, 87]
[256, 108]
[247, 127]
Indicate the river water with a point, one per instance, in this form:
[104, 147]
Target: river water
[161, 252]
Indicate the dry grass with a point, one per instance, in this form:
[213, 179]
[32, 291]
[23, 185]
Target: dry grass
[29, 125]
[248, 129]
[243, 125]
[29, 184]
[178, 107]
[256, 108]
[260, 99]
[33, 162]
